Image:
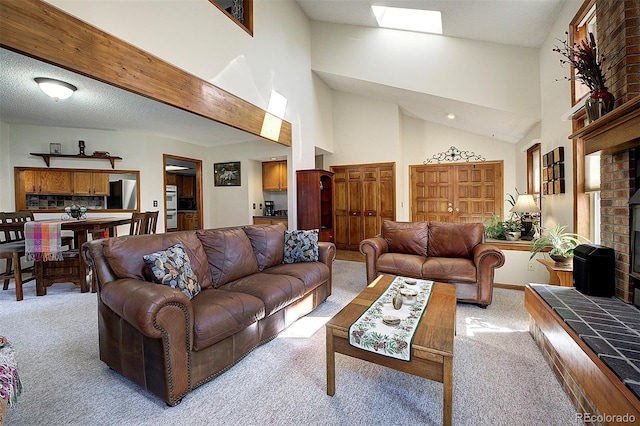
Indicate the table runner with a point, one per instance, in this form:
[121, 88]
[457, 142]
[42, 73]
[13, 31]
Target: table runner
[369, 332]
[42, 240]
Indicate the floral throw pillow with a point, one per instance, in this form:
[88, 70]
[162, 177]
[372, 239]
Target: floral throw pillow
[300, 246]
[172, 267]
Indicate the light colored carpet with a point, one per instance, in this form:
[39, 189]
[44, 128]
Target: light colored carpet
[500, 377]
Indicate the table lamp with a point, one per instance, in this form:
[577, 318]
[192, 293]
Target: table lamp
[526, 205]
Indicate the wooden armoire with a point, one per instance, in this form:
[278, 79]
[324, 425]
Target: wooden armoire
[364, 196]
[315, 202]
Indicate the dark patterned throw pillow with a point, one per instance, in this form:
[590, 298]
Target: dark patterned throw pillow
[172, 267]
[300, 246]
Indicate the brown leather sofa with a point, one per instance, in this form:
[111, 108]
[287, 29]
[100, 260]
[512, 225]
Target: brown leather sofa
[169, 344]
[444, 252]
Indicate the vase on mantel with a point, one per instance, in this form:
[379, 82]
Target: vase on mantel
[598, 103]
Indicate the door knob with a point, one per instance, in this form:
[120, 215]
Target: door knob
[450, 209]
[457, 209]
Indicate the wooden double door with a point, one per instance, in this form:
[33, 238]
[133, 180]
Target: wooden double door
[457, 192]
[364, 196]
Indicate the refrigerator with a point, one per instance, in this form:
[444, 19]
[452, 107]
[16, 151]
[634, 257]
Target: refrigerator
[122, 195]
[172, 206]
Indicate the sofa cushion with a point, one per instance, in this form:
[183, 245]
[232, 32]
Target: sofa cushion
[454, 239]
[172, 267]
[407, 265]
[312, 274]
[124, 254]
[300, 246]
[406, 237]
[275, 291]
[219, 314]
[267, 242]
[449, 269]
[229, 254]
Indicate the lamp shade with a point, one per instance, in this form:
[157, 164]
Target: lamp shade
[525, 204]
[55, 88]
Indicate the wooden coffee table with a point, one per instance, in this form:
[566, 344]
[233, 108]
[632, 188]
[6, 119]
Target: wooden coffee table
[432, 348]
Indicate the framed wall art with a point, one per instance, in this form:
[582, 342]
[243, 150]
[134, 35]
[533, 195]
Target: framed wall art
[226, 174]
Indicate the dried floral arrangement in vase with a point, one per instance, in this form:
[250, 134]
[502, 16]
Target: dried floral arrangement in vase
[587, 63]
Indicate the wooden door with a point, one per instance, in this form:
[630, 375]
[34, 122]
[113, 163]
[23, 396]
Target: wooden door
[364, 196]
[459, 192]
[355, 205]
[100, 183]
[55, 182]
[340, 208]
[83, 183]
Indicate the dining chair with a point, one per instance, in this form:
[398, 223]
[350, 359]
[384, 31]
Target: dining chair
[139, 223]
[152, 221]
[12, 249]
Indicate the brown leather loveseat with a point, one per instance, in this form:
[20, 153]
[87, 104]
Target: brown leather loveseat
[169, 344]
[444, 252]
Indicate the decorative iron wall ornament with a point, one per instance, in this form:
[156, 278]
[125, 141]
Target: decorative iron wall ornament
[453, 154]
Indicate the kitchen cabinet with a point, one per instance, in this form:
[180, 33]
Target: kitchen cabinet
[265, 220]
[188, 221]
[364, 197]
[45, 181]
[315, 202]
[186, 186]
[274, 175]
[89, 183]
[171, 178]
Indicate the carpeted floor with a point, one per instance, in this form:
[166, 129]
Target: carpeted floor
[500, 377]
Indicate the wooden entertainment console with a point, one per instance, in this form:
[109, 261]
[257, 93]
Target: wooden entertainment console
[593, 387]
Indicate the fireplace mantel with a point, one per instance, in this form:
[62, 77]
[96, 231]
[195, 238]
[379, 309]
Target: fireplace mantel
[616, 131]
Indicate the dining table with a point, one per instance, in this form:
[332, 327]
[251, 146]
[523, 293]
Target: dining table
[80, 228]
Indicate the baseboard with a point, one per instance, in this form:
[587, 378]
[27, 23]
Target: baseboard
[509, 286]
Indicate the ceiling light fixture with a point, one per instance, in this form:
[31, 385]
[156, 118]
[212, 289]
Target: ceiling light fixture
[424, 21]
[55, 88]
[171, 168]
[451, 116]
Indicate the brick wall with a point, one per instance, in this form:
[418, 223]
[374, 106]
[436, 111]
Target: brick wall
[618, 25]
[617, 176]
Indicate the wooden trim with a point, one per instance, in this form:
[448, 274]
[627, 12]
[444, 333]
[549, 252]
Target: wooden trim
[509, 286]
[248, 16]
[359, 166]
[530, 174]
[614, 132]
[41, 31]
[199, 188]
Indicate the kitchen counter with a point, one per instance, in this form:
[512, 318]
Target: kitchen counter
[270, 220]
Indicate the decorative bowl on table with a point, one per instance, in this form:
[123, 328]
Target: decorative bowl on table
[409, 295]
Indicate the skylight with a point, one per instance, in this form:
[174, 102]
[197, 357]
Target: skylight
[425, 21]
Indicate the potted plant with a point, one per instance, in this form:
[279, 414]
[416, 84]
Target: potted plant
[512, 229]
[587, 63]
[494, 228]
[561, 243]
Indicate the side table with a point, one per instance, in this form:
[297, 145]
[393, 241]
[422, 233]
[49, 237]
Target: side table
[559, 274]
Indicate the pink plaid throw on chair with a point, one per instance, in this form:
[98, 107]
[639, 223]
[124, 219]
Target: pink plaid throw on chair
[42, 241]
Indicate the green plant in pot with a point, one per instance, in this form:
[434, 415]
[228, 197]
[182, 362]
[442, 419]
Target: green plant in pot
[512, 228]
[494, 228]
[561, 243]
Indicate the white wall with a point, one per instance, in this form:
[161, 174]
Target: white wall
[493, 75]
[139, 151]
[6, 171]
[556, 100]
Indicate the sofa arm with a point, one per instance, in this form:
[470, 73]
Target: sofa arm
[487, 259]
[326, 253]
[155, 310]
[373, 248]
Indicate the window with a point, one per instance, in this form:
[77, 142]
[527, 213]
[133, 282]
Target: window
[240, 11]
[533, 172]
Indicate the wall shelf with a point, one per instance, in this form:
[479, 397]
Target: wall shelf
[47, 158]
